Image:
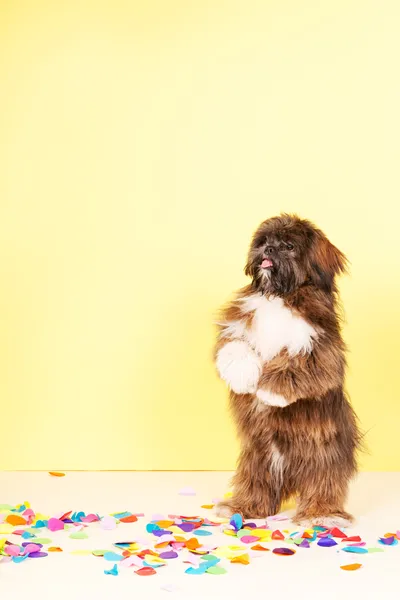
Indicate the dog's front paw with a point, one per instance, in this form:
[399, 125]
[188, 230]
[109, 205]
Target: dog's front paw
[271, 399]
[239, 366]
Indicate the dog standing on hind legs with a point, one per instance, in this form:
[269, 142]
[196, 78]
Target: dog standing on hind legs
[281, 353]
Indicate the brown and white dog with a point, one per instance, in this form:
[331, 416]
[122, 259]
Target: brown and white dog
[280, 351]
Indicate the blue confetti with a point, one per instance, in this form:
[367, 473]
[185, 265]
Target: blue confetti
[113, 556]
[236, 521]
[113, 571]
[355, 549]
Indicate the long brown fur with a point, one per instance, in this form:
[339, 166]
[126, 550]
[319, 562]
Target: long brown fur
[316, 434]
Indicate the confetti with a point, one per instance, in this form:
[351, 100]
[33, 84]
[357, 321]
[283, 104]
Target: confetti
[284, 551]
[15, 520]
[184, 540]
[216, 570]
[144, 571]
[388, 541]
[55, 525]
[202, 532]
[236, 521]
[277, 535]
[56, 474]
[243, 559]
[259, 547]
[113, 556]
[113, 571]
[169, 554]
[129, 519]
[249, 539]
[108, 523]
[79, 535]
[335, 532]
[326, 542]
[351, 567]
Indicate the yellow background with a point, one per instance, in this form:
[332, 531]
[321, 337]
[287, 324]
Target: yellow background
[141, 144]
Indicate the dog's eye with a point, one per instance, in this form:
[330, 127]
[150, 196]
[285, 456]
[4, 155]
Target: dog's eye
[289, 246]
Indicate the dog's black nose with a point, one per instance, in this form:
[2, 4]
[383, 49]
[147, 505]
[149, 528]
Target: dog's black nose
[269, 250]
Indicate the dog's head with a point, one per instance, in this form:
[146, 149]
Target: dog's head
[287, 252]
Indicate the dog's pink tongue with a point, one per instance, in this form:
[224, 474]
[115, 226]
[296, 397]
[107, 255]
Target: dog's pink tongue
[266, 263]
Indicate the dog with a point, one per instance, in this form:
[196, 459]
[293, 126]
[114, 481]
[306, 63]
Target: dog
[280, 350]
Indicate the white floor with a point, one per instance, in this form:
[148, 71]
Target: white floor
[310, 573]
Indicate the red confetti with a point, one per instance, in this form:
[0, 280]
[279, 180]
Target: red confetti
[130, 519]
[335, 532]
[144, 571]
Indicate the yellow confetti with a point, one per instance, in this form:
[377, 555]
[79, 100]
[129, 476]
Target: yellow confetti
[230, 532]
[175, 530]
[6, 528]
[242, 559]
[151, 559]
[81, 552]
[264, 534]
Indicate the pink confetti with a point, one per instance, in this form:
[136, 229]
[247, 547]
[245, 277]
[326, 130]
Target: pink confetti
[249, 539]
[358, 544]
[132, 561]
[193, 559]
[108, 523]
[32, 548]
[29, 515]
[178, 545]
[90, 518]
[12, 550]
[55, 525]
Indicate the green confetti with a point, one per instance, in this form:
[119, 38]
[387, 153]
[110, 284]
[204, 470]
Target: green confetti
[216, 570]
[79, 535]
[99, 552]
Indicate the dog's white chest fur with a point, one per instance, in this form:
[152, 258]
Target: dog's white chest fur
[275, 327]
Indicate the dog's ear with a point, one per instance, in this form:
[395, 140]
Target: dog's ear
[326, 262]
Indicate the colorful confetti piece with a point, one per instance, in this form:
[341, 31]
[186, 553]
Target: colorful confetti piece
[351, 567]
[113, 571]
[284, 551]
